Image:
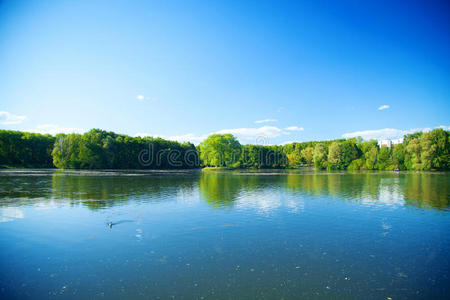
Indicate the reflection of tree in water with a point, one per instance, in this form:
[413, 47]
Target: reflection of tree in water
[321, 184]
[25, 187]
[222, 189]
[105, 191]
[425, 190]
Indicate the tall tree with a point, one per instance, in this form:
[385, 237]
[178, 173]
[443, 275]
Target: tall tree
[335, 156]
[220, 150]
[308, 154]
[320, 156]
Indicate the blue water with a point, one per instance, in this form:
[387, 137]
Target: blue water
[224, 235]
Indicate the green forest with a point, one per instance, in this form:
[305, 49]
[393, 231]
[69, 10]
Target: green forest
[96, 149]
[25, 149]
[99, 149]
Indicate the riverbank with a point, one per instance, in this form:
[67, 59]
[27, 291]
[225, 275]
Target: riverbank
[99, 149]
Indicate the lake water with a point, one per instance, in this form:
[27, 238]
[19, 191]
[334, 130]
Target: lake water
[224, 235]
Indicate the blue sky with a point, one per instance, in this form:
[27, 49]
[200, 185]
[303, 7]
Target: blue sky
[267, 71]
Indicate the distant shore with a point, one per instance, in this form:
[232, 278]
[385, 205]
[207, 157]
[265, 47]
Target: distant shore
[99, 149]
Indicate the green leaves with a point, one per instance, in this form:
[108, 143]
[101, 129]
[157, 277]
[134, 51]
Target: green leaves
[320, 156]
[220, 150]
[25, 149]
[99, 149]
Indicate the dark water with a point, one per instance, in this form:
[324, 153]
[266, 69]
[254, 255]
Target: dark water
[224, 235]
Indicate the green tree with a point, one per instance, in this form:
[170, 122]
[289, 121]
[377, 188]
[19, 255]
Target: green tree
[398, 156]
[25, 149]
[320, 156]
[370, 152]
[441, 160]
[102, 149]
[220, 150]
[335, 155]
[308, 155]
[435, 150]
[413, 150]
[294, 160]
[357, 164]
[384, 161]
[66, 151]
[428, 151]
[350, 152]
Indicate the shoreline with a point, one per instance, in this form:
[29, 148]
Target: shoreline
[274, 171]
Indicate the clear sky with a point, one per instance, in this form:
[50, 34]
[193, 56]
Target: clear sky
[267, 71]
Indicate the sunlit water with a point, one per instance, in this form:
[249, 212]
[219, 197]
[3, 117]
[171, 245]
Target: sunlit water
[224, 235]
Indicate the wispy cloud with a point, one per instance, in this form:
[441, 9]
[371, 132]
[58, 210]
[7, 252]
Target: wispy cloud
[383, 107]
[7, 118]
[8, 214]
[294, 128]
[189, 137]
[141, 97]
[54, 129]
[254, 133]
[266, 121]
[384, 133]
[259, 135]
[387, 133]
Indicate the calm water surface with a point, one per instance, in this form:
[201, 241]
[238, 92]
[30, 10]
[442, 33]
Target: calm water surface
[224, 235]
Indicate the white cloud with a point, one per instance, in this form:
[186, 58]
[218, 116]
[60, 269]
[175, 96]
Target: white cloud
[254, 133]
[7, 118]
[9, 214]
[294, 128]
[144, 98]
[382, 107]
[54, 129]
[189, 137]
[266, 121]
[259, 135]
[444, 127]
[386, 133]
[143, 134]
[265, 202]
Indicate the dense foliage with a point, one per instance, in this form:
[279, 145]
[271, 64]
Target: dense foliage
[98, 149]
[419, 151]
[25, 149]
[220, 150]
[262, 157]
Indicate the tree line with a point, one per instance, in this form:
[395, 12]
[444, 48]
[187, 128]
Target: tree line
[96, 149]
[25, 149]
[99, 149]
[418, 151]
